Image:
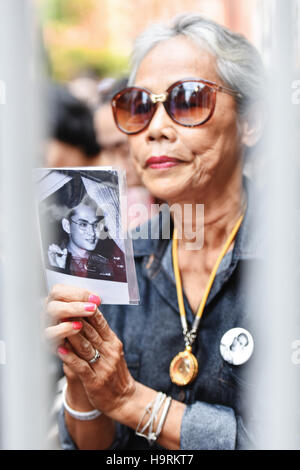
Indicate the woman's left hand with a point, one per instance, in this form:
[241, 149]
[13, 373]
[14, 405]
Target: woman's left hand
[107, 382]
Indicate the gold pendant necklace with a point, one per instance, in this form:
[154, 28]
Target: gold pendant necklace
[184, 366]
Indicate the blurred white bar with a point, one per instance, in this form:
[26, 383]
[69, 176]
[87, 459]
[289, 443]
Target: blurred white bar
[278, 306]
[23, 385]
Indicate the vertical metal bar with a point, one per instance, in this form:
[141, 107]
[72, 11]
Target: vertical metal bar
[24, 376]
[278, 306]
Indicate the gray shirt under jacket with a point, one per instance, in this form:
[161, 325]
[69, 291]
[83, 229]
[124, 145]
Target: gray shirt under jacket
[215, 416]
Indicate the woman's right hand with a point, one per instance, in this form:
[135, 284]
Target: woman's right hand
[67, 328]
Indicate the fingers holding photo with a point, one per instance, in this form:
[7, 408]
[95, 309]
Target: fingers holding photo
[58, 311]
[56, 334]
[89, 341]
[86, 343]
[68, 293]
[65, 308]
[100, 324]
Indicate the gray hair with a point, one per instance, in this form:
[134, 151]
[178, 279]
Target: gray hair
[238, 62]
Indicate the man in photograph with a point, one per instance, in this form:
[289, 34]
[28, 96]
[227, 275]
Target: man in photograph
[78, 257]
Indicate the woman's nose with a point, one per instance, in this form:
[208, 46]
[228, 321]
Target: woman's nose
[161, 126]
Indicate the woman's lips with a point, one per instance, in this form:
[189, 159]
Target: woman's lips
[162, 162]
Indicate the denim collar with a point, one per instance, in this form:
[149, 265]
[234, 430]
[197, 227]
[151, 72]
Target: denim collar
[248, 244]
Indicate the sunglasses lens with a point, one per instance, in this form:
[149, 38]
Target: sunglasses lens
[190, 103]
[133, 110]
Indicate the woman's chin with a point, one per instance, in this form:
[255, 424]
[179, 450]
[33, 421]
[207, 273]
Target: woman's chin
[166, 185]
[166, 192]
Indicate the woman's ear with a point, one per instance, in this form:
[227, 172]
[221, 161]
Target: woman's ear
[66, 225]
[253, 125]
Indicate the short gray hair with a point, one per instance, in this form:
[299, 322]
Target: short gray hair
[238, 62]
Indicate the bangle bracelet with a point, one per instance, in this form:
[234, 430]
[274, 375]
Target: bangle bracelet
[163, 417]
[152, 410]
[80, 415]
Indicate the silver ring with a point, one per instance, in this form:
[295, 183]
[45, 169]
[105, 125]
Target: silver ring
[95, 358]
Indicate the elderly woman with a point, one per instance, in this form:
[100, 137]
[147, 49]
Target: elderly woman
[153, 374]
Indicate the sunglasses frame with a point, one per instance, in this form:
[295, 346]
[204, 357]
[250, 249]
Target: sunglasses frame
[162, 98]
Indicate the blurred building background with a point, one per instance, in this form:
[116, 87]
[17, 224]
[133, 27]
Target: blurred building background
[95, 37]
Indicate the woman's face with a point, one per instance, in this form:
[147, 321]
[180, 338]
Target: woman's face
[208, 155]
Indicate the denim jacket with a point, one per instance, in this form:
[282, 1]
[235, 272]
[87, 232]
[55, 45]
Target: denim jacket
[215, 415]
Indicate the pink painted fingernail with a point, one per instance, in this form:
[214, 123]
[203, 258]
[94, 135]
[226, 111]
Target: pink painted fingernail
[76, 325]
[95, 299]
[62, 350]
[90, 307]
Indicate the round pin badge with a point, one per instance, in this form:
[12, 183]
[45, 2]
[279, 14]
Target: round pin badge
[236, 346]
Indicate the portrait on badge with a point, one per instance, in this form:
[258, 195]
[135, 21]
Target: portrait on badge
[236, 346]
[80, 226]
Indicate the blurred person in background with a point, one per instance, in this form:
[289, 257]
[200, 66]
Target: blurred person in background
[114, 144]
[190, 112]
[85, 88]
[115, 151]
[71, 136]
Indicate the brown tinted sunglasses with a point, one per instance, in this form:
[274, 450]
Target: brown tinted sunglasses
[188, 102]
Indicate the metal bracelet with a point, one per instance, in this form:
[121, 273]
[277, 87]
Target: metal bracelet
[151, 409]
[157, 406]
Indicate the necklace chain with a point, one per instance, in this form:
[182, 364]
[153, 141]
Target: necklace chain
[190, 335]
[184, 367]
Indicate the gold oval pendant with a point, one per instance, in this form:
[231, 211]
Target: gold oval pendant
[183, 368]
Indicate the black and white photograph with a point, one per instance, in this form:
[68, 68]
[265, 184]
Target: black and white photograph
[82, 238]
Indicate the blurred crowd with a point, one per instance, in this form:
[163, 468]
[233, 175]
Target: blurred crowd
[81, 132]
